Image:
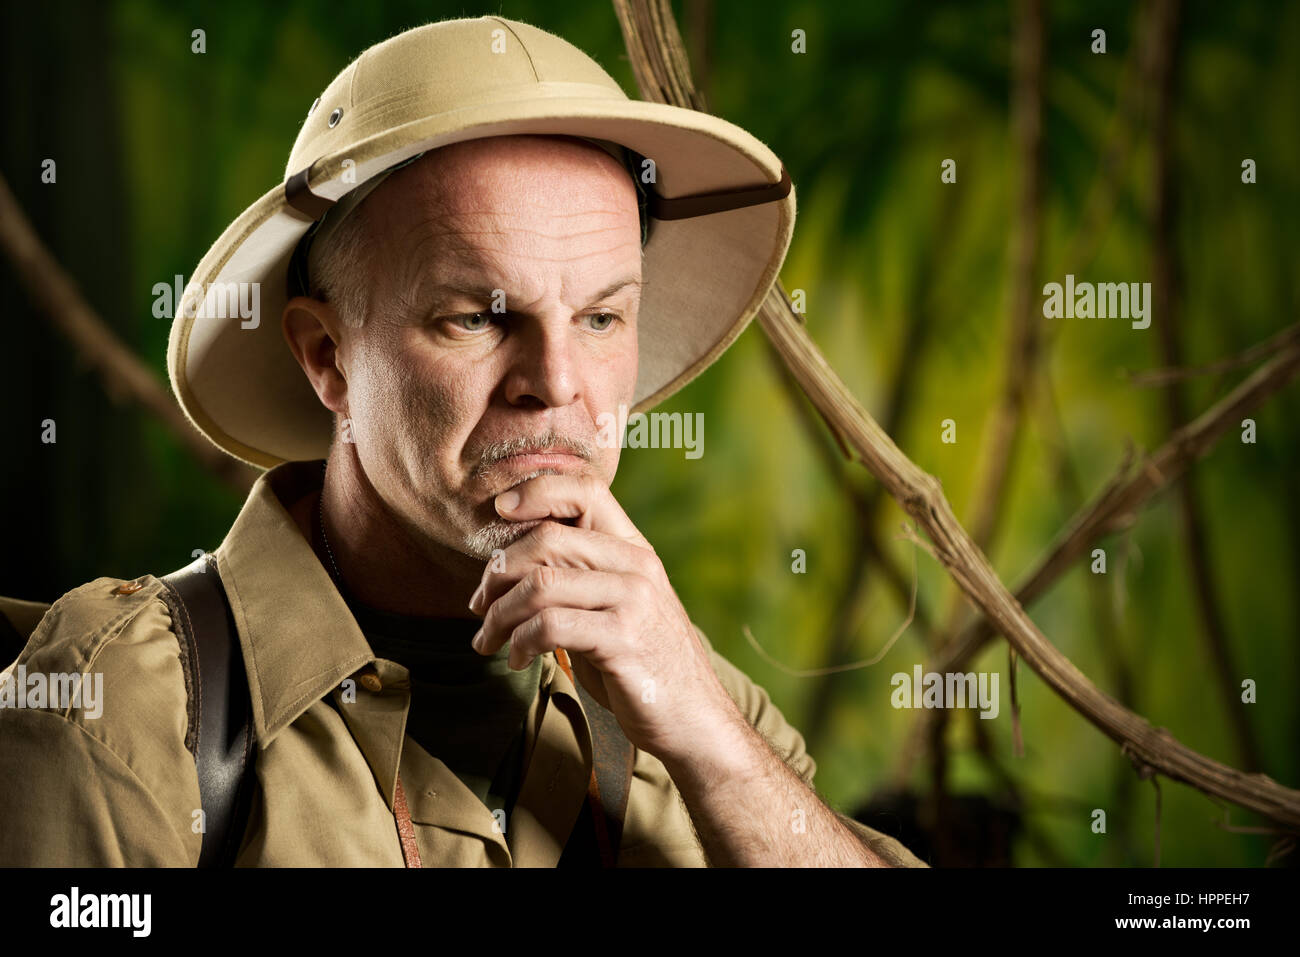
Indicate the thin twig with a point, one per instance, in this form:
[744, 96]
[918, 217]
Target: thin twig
[1257, 352]
[852, 665]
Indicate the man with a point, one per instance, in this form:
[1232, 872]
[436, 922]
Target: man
[467, 280]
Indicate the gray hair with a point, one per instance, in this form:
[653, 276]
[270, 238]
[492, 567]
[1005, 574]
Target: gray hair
[338, 272]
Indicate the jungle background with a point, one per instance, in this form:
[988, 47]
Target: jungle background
[911, 290]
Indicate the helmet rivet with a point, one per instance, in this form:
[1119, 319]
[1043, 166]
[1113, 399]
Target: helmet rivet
[335, 117]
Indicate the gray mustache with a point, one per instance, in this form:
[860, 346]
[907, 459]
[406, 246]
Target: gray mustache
[519, 445]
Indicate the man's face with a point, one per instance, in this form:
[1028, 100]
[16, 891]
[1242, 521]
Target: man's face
[448, 397]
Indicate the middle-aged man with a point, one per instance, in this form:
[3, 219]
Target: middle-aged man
[467, 281]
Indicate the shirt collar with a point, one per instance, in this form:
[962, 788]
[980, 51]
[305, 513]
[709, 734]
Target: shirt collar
[298, 637]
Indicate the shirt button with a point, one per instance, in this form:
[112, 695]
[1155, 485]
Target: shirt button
[129, 588]
[370, 681]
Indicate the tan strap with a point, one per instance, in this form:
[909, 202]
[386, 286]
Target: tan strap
[405, 829]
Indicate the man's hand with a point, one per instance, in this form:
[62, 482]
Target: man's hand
[597, 589]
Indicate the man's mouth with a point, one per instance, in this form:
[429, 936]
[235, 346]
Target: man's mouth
[552, 458]
[519, 455]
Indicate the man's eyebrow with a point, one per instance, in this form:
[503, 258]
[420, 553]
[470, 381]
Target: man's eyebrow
[618, 285]
[435, 291]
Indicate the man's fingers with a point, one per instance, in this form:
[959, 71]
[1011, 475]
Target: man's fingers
[572, 629]
[583, 498]
[560, 546]
[542, 587]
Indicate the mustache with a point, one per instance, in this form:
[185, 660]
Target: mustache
[519, 445]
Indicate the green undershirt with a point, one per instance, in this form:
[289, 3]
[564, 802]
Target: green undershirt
[467, 710]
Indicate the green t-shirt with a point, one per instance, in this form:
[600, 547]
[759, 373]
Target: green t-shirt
[467, 710]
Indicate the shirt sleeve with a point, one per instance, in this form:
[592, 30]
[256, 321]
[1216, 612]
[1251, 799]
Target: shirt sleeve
[70, 801]
[108, 783]
[756, 704]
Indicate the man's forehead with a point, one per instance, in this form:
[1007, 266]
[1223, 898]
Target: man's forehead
[506, 175]
[476, 231]
[482, 278]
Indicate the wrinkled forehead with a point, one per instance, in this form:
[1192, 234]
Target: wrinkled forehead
[487, 183]
[464, 214]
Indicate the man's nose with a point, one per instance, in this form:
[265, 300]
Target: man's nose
[544, 371]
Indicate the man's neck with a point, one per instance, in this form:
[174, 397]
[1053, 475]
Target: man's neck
[381, 563]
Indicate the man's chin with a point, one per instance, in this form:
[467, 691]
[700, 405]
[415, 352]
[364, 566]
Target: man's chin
[498, 534]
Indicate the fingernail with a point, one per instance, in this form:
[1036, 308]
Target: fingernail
[478, 640]
[473, 599]
[507, 501]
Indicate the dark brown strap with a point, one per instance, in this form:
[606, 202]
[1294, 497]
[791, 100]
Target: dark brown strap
[299, 195]
[703, 204]
[220, 705]
[611, 774]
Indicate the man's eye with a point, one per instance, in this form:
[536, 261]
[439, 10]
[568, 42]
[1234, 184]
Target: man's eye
[474, 322]
[602, 321]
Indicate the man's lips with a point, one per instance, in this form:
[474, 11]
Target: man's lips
[546, 458]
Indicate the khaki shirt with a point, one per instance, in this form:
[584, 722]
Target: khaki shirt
[121, 789]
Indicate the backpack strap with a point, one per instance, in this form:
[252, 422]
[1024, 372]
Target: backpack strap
[601, 820]
[220, 708]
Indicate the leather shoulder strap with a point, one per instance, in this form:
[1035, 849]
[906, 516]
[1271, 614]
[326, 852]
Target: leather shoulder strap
[220, 709]
[614, 756]
[598, 831]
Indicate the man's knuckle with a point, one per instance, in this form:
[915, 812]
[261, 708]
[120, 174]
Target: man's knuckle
[552, 620]
[643, 590]
[646, 564]
[543, 578]
[548, 534]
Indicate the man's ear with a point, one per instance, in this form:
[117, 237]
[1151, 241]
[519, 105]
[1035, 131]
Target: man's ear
[314, 332]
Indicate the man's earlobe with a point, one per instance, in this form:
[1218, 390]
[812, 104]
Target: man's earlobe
[313, 332]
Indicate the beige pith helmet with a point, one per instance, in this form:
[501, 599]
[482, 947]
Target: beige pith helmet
[721, 209]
